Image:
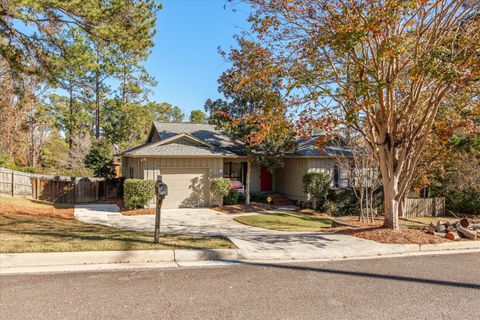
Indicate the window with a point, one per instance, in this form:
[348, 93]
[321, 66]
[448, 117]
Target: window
[130, 172]
[336, 176]
[234, 171]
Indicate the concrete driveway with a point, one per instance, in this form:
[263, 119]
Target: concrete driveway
[253, 243]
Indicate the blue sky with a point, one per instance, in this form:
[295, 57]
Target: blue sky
[185, 61]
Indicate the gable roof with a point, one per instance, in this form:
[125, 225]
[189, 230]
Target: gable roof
[202, 131]
[184, 137]
[168, 139]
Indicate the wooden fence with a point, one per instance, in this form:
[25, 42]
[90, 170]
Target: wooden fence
[429, 207]
[55, 188]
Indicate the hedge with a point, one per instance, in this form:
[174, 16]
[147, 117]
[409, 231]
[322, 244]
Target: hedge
[220, 186]
[137, 193]
[232, 197]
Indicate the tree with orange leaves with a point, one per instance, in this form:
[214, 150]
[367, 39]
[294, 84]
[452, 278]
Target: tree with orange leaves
[252, 110]
[383, 68]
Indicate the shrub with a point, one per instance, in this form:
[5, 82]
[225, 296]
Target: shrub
[231, 197]
[330, 207]
[345, 201]
[138, 193]
[258, 196]
[241, 197]
[463, 202]
[317, 184]
[220, 186]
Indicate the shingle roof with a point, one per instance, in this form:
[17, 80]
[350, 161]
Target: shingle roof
[307, 148]
[217, 144]
[175, 149]
[204, 132]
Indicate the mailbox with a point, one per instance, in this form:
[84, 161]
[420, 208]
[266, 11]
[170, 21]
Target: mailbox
[161, 188]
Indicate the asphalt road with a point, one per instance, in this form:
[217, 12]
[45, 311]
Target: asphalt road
[424, 287]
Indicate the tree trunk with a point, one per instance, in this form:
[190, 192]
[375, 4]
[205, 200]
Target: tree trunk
[70, 124]
[470, 234]
[124, 84]
[247, 184]
[392, 202]
[360, 218]
[97, 106]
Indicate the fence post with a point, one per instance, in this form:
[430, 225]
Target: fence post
[13, 183]
[97, 187]
[37, 184]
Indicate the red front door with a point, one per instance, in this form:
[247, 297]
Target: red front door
[265, 180]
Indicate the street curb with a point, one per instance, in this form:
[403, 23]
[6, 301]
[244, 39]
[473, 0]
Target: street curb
[204, 255]
[460, 245]
[113, 257]
[13, 260]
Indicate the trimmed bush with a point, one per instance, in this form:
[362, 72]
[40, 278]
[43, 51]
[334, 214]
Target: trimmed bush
[220, 186]
[137, 193]
[231, 197]
[346, 203]
[258, 197]
[317, 184]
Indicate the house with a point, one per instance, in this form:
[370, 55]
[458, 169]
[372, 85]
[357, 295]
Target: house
[187, 155]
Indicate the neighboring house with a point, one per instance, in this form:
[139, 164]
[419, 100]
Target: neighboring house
[187, 155]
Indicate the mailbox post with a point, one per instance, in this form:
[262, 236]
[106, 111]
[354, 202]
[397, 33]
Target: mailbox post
[161, 191]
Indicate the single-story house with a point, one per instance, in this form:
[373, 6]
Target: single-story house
[187, 155]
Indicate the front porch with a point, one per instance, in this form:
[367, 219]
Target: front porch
[261, 180]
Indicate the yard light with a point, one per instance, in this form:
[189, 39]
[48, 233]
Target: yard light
[161, 190]
[269, 200]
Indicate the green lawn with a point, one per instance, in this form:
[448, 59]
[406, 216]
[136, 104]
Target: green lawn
[434, 220]
[23, 233]
[425, 221]
[23, 202]
[286, 221]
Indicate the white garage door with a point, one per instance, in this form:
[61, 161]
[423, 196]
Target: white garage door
[187, 188]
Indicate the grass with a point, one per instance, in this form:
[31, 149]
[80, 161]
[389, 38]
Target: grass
[288, 221]
[425, 221]
[23, 233]
[428, 220]
[32, 203]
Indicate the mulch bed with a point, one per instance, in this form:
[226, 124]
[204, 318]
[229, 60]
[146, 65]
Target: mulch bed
[59, 213]
[402, 236]
[243, 208]
[375, 232]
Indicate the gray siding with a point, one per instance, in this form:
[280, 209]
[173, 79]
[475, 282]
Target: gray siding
[150, 168]
[288, 179]
[255, 179]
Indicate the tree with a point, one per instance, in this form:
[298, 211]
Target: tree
[198, 116]
[71, 116]
[35, 49]
[99, 159]
[126, 124]
[457, 120]
[383, 68]
[361, 169]
[54, 156]
[165, 112]
[253, 111]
